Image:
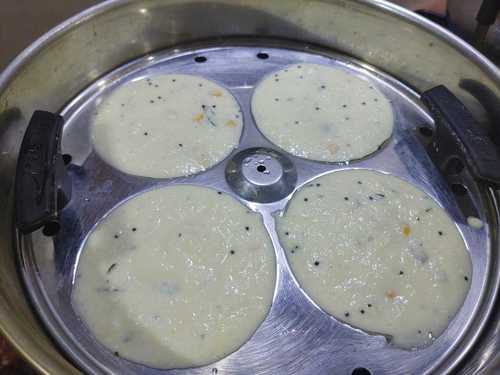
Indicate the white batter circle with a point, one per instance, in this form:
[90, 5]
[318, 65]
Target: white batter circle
[176, 277]
[322, 113]
[378, 254]
[166, 126]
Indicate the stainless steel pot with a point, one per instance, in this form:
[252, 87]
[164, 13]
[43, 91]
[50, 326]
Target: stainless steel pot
[61, 64]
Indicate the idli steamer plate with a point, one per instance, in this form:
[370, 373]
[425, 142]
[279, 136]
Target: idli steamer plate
[297, 337]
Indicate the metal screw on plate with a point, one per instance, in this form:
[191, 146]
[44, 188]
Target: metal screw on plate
[261, 175]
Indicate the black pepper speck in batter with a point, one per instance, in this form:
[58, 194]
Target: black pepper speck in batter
[346, 314]
[466, 278]
[111, 268]
[247, 228]
[316, 263]
[306, 199]
[440, 233]
[232, 252]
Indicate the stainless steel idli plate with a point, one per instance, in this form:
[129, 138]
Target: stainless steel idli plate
[297, 337]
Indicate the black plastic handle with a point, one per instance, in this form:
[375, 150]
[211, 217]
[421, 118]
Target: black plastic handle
[42, 186]
[458, 134]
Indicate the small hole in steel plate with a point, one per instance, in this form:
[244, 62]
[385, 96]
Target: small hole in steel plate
[361, 371]
[426, 131]
[262, 55]
[67, 158]
[459, 189]
[200, 59]
[261, 168]
[51, 229]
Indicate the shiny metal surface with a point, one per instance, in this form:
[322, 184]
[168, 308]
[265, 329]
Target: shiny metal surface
[296, 337]
[261, 175]
[73, 55]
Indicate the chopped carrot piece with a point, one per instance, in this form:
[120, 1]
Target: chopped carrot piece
[216, 93]
[406, 230]
[391, 294]
[198, 117]
[231, 123]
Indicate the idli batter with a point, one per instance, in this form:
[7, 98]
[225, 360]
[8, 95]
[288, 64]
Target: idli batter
[378, 254]
[176, 277]
[166, 126]
[322, 113]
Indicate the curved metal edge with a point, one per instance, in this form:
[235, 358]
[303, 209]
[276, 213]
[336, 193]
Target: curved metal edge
[468, 50]
[461, 45]
[8, 74]
[37, 46]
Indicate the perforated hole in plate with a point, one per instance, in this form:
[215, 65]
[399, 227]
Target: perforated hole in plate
[200, 59]
[361, 371]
